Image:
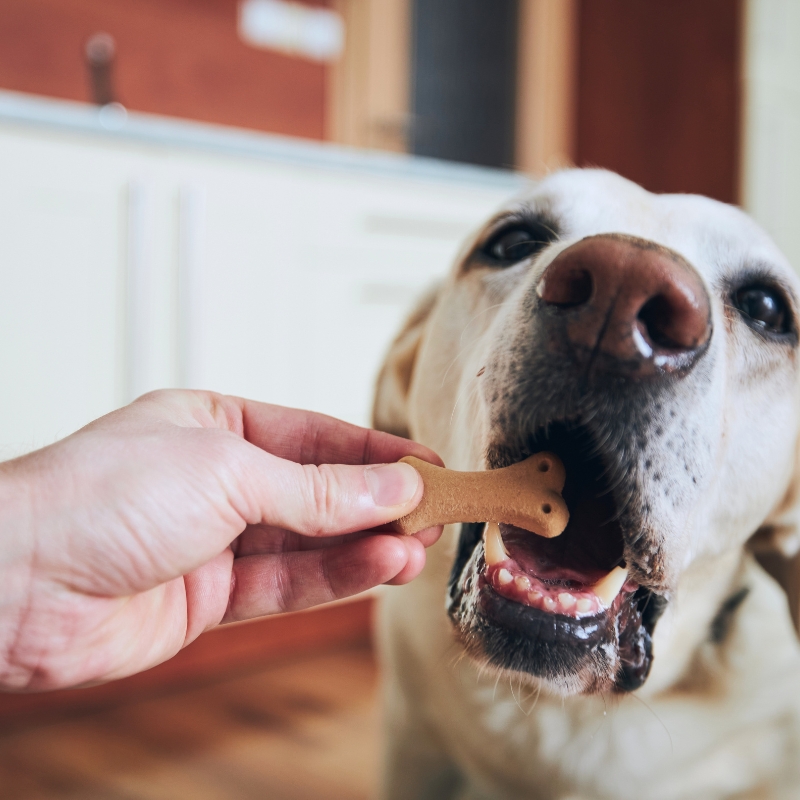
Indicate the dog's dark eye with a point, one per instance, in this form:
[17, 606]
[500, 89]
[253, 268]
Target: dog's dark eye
[518, 241]
[764, 307]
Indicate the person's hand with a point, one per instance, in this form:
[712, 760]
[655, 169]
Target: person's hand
[122, 543]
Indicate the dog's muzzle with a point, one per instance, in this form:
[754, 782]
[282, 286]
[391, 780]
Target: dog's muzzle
[617, 323]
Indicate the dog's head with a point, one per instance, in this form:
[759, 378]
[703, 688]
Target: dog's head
[651, 343]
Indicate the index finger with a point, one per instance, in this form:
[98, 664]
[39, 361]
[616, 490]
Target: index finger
[307, 437]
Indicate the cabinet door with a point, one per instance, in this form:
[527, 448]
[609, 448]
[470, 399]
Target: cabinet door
[308, 275]
[60, 293]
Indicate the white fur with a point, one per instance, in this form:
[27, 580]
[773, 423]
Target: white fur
[712, 721]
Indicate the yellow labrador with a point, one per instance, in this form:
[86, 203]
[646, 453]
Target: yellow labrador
[652, 343]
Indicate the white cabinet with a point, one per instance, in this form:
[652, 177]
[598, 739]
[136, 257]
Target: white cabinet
[150, 253]
[60, 296]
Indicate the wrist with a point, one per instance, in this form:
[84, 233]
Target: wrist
[16, 562]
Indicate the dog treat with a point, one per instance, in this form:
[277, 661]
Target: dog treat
[526, 494]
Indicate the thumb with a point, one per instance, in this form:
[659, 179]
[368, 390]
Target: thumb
[332, 499]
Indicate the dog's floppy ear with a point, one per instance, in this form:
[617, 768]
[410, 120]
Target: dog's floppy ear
[390, 408]
[776, 544]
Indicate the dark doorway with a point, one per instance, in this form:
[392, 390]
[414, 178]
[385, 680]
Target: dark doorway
[659, 93]
[464, 64]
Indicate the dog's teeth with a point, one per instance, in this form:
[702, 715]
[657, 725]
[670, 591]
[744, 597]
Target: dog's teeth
[494, 551]
[522, 583]
[549, 603]
[567, 600]
[607, 588]
[504, 577]
[584, 605]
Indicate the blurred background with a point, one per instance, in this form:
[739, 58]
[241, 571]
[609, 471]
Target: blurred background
[247, 195]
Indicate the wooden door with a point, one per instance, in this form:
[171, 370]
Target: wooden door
[658, 93]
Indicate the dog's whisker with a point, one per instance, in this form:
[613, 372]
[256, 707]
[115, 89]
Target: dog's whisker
[494, 690]
[453, 363]
[470, 390]
[476, 316]
[463, 348]
[655, 716]
[511, 689]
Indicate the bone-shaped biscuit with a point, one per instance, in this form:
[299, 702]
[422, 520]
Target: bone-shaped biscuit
[526, 494]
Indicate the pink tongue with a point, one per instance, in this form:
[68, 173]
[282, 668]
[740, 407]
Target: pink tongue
[543, 559]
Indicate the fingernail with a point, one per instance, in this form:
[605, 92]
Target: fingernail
[392, 484]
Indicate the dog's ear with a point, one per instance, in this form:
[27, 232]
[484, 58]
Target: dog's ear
[776, 544]
[390, 408]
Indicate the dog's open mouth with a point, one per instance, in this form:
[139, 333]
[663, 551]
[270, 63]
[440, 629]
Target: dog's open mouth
[564, 609]
[580, 573]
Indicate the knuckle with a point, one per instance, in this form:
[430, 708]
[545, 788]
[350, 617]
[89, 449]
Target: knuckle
[323, 490]
[283, 588]
[156, 396]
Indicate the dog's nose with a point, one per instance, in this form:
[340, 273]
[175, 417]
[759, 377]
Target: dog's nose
[640, 307]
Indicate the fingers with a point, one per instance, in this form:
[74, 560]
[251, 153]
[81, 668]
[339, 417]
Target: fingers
[310, 438]
[336, 500]
[207, 594]
[429, 536]
[414, 565]
[267, 539]
[326, 500]
[272, 584]
[293, 434]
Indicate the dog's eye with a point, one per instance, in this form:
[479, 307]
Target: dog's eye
[764, 307]
[518, 241]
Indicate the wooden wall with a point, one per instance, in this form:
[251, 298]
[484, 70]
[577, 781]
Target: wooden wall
[177, 57]
[659, 92]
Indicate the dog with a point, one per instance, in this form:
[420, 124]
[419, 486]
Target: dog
[651, 343]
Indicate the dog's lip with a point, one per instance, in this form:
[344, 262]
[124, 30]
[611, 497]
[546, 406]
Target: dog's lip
[542, 626]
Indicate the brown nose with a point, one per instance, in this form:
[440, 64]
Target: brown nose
[628, 304]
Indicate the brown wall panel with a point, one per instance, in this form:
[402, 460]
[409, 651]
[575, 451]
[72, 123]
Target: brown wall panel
[177, 57]
[659, 92]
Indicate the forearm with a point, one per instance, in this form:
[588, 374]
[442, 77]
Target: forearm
[16, 561]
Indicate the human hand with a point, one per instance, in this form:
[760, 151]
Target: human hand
[122, 543]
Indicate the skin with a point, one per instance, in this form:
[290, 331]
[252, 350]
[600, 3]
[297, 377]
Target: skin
[125, 541]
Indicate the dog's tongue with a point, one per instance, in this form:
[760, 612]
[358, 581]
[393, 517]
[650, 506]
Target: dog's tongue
[583, 554]
[566, 566]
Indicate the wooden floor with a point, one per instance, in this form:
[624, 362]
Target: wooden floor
[304, 729]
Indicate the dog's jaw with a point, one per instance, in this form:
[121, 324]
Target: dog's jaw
[560, 649]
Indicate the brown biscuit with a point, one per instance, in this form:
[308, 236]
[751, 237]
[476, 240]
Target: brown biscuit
[526, 494]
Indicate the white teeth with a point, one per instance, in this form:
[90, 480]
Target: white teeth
[567, 600]
[607, 588]
[584, 605]
[504, 577]
[549, 603]
[494, 551]
[522, 583]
